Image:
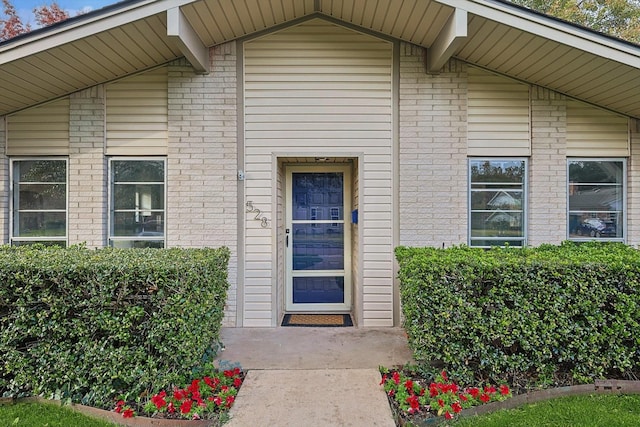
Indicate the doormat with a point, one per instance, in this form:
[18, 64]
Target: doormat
[321, 320]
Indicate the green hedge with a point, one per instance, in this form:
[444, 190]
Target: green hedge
[506, 313]
[91, 324]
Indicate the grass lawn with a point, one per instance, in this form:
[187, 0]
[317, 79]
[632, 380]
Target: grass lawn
[49, 415]
[599, 410]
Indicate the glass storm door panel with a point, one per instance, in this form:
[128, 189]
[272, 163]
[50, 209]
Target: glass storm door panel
[318, 239]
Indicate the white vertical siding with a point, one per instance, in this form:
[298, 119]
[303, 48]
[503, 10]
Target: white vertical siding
[137, 114]
[319, 89]
[593, 132]
[499, 118]
[42, 130]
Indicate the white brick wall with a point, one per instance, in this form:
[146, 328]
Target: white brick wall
[87, 169]
[547, 168]
[633, 187]
[433, 159]
[4, 186]
[202, 208]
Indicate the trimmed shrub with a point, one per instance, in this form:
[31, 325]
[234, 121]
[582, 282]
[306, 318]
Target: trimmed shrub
[91, 324]
[505, 313]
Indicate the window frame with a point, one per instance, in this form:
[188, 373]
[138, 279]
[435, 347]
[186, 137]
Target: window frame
[14, 239]
[111, 238]
[525, 202]
[622, 239]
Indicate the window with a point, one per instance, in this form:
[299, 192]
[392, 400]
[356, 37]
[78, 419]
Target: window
[497, 202]
[39, 201]
[137, 203]
[596, 199]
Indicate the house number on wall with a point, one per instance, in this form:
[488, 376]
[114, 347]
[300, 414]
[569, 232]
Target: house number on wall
[264, 221]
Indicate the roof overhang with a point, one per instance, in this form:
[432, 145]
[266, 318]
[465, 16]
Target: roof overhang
[135, 35]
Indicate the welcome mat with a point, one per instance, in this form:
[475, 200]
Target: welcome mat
[322, 320]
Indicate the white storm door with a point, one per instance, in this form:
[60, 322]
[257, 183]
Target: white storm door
[318, 238]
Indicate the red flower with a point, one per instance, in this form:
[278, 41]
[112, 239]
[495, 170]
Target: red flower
[158, 400]
[185, 408]
[237, 382]
[474, 392]
[413, 402]
[433, 390]
[444, 375]
[224, 389]
[171, 408]
[217, 400]
[236, 371]
[119, 406]
[485, 397]
[384, 379]
[463, 398]
[230, 400]
[490, 390]
[396, 377]
[456, 407]
[441, 403]
[128, 413]
[228, 374]
[448, 416]
[194, 387]
[179, 394]
[504, 390]
[409, 385]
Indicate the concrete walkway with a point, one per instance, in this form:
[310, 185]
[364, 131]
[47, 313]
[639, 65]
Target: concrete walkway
[320, 377]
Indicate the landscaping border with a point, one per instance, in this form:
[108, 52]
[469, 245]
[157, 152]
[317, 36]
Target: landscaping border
[113, 416]
[599, 387]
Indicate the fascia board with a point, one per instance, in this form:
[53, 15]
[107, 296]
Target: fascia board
[570, 35]
[42, 41]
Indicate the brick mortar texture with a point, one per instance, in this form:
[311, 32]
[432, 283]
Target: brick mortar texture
[633, 187]
[202, 186]
[4, 177]
[432, 145]
[87, 169]
[547, 195]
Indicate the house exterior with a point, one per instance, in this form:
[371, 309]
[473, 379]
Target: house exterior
[312, 137]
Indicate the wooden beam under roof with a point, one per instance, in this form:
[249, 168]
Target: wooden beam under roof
[448, 41]
[186, 39]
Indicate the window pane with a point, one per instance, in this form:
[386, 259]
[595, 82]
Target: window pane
[138, 171]
[503, 199]
[583, 171]
[39, 199]
[126, 244]
[318, 290]
[40, 171]
[134, 224]
[138, 202]
[318, 196]
[42, 196]
[583, 225]
[497, 224]
[496, 202]
[497, 171]
[39, 224]
[60, 243]
[141, 197]
[596, 199]
[318, 246]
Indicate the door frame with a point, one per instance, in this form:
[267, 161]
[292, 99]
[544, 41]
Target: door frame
[346, 306]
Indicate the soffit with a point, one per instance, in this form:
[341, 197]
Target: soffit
[132, 37]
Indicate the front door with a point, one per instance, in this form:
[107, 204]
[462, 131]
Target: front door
[318, 238]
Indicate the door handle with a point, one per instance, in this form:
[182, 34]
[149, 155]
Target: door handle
[287, 238]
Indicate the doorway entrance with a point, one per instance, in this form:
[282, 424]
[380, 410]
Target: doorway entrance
[318, 238]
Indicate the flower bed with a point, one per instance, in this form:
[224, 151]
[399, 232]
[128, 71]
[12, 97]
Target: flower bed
[414, 403]
[209, 397]
[411, 398]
